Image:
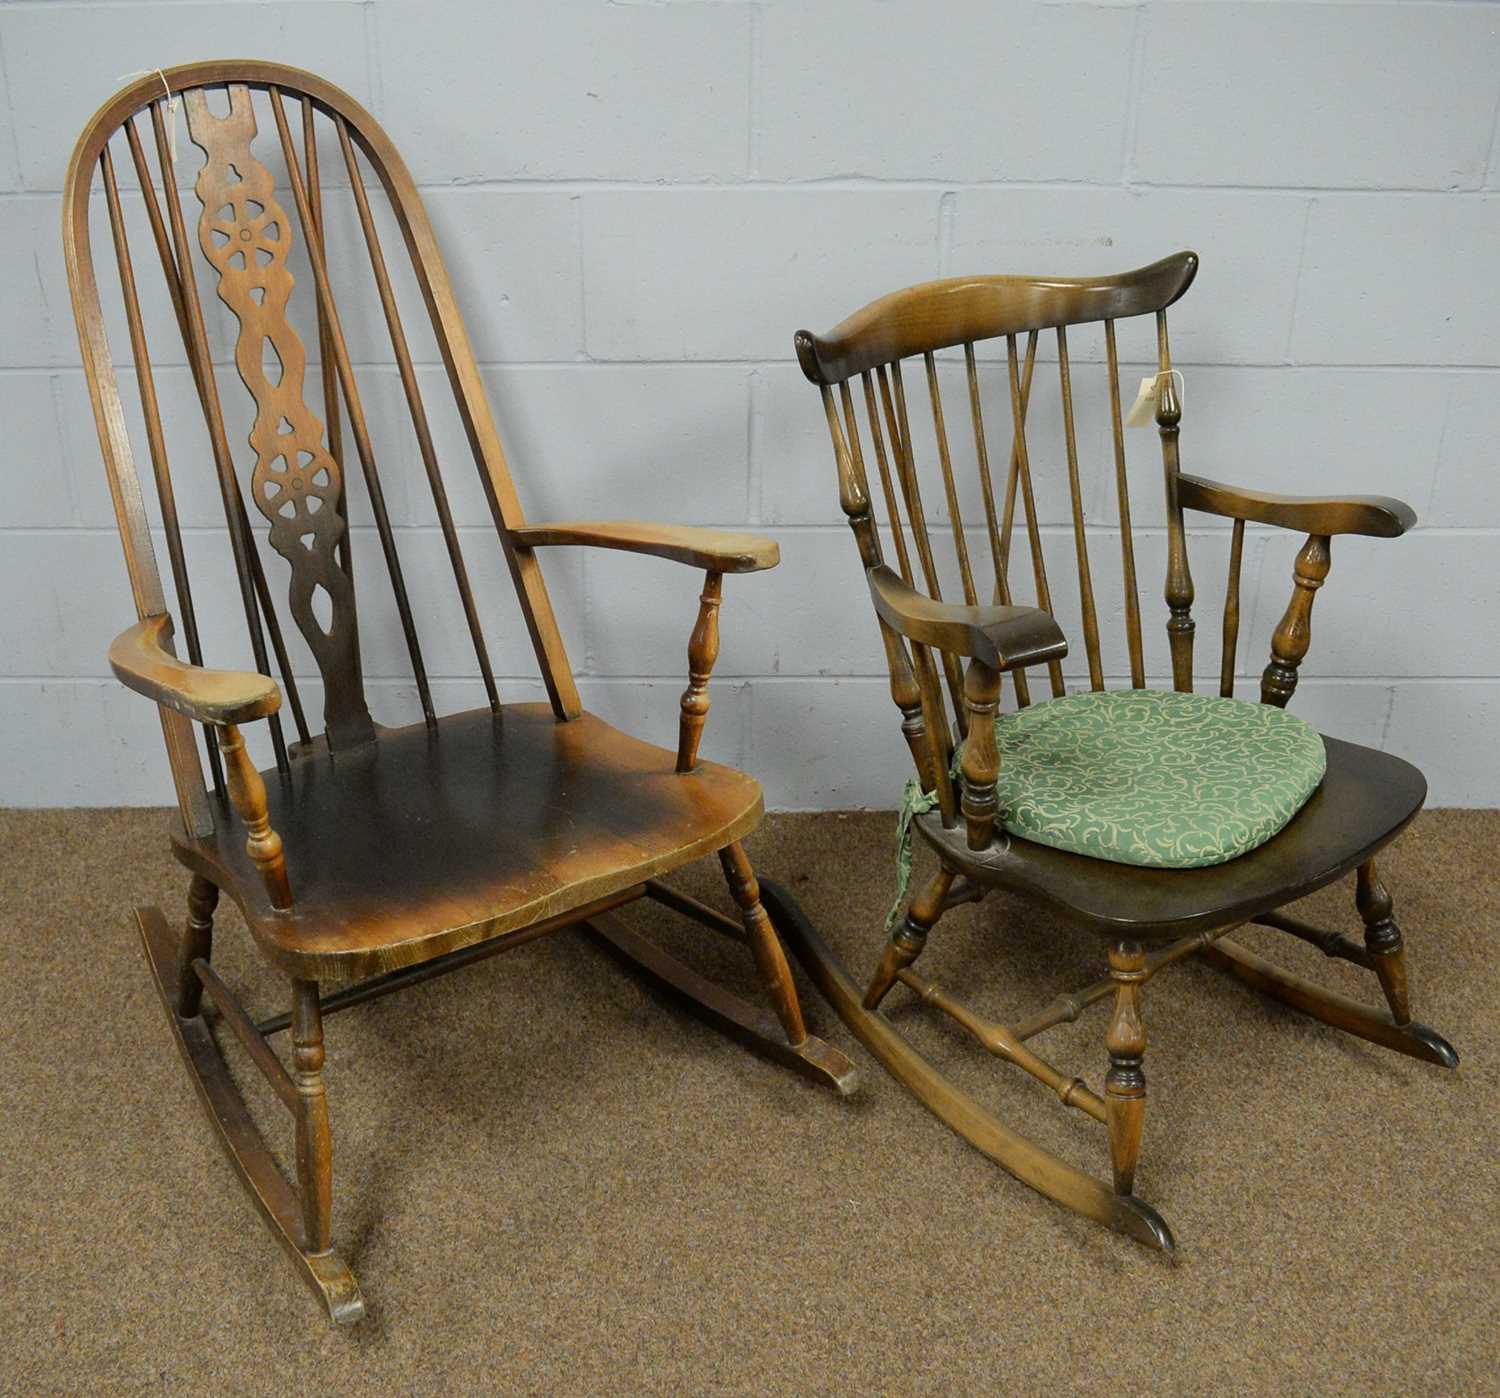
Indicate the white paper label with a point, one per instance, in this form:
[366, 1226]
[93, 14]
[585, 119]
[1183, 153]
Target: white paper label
[1143, 411]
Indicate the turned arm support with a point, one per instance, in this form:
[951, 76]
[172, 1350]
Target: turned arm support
[1376, 515]
[716, 551]
[142, 659]
[1320, 518]
[995, 639]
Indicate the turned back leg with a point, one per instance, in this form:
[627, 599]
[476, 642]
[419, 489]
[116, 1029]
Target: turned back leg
[197, 940]
[1383, 941]
[1125, 1083]
[770, 959]
[910, 937]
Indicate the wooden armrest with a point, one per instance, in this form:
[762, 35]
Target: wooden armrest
[1376, 515]
[142, 661]
[1004, 638]
[716, 550]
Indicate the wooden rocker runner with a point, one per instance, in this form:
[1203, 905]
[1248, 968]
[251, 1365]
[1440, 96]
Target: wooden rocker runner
[1161, 820]
[367, 858]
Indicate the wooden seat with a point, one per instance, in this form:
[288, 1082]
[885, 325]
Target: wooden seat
[367, 857]
[1366, 798]
[946, 660]
[489, 824]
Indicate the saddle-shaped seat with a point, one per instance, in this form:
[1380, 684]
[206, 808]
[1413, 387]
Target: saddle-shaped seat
[449, 837]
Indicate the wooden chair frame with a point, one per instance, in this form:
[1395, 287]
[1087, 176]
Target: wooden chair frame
[940, 651]
[535, 855]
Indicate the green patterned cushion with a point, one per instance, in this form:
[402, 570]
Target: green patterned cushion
[1176, 781]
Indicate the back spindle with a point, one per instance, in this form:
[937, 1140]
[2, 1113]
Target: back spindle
[955, 517]
[900, 427]
[1232, 611]
[1080, 538]
[1179, 588]
[1122, 495]
[418, 412]
[241, 544]
[353, 406]
[1022, 467]
[998, 548]
[893, 514]
[156, 442]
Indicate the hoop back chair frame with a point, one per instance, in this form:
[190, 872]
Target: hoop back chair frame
[509, 822]
[946, 660]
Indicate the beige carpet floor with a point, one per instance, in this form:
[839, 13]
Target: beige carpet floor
[548, 1179]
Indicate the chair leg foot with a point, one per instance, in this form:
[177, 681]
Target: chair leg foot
[322, 1269]
[1014, 1153]
[908, 940]
[1125, 1083]
[1383, 941]
[1413, 1039]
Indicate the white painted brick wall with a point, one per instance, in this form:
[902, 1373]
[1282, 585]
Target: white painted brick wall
[640, 202]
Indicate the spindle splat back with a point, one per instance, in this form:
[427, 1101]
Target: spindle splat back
[260, 205]
[974, 458]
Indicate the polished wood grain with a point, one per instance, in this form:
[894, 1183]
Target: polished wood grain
[958, 1110]
[1125, 1083]
[981, 755]
[142, 659]
[910, 936]
[422, 866]
[937, 315]
[1366, 799]
[1384, 945]
[703, 651]
[366, 859]
[1001, 637]
[247, 792]
[325, 1272]
[245, 235]
[719, 550]
[1378, 516]
[1149, 918]
[775, 974]
[1293, 634]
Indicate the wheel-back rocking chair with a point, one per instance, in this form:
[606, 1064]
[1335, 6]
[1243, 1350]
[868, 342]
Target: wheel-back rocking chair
[367, 857]
[1050, 835]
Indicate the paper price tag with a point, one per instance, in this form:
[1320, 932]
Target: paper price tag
[1143, 411]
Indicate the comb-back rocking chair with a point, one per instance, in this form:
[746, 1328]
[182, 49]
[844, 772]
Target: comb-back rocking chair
[367, 857]
[1160, 821]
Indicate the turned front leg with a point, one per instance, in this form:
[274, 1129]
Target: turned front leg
[1125, 1083]
[197, 940]
[248, 792]
[314, 1140]
[765, 945]
[1383, 941]
[1294, 633]
[703, 651]
[910, 937]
